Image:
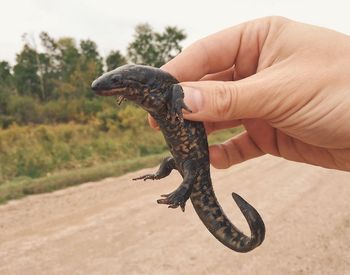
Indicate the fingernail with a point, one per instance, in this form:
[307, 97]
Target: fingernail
[193, 98]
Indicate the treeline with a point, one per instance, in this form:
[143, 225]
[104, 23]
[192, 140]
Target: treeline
[50, 120]
[52, 85]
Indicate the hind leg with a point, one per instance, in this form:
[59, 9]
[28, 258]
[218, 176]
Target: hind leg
[183, 192]
[165, 168]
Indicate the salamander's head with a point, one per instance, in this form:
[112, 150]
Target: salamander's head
[132, 82]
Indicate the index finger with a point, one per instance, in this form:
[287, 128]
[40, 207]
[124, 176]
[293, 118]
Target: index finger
[239, 45]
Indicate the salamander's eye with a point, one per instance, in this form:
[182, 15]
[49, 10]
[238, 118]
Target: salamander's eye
[116, 78]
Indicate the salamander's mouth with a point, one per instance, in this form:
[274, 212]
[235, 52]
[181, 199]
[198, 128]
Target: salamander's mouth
[110, 92]
[104, 86]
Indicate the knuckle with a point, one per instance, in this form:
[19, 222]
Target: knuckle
[201, 48]
[276, 19]
[224, 100]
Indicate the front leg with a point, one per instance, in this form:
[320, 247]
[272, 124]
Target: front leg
[175, 102]
[183, 192]
[166, 166]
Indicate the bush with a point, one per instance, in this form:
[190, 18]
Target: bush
[132, 117]
[25, 110]
[36, 151]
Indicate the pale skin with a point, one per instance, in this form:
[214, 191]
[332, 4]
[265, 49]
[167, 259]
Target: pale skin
[286, 82]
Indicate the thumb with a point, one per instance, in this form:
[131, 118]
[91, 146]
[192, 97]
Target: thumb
[228, 100]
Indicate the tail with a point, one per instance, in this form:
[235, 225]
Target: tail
[218, 224]
[255, 222]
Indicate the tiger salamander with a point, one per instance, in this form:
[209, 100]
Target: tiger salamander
[159, 93]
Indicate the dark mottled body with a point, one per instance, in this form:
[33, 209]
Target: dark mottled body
[158, 93]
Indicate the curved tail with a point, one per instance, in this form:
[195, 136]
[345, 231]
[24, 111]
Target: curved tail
[211, 214]
[255, 222]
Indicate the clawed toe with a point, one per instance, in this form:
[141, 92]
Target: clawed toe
[172, 203]
[182, 205]
[176, 198]
[146, 177]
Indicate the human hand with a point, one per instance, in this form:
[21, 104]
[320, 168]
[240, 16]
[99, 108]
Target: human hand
[288, 83]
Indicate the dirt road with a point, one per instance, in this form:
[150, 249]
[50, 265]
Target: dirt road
[115, 227]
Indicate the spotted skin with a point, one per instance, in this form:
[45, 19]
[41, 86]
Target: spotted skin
[159, 93]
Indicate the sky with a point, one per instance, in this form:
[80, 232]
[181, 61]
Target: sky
[110, 23]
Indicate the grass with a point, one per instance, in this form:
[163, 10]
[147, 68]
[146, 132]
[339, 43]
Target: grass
[22, 186]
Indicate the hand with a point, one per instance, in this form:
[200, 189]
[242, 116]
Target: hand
[288, 83]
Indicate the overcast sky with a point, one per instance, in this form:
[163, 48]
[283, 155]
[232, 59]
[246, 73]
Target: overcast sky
[110, 23]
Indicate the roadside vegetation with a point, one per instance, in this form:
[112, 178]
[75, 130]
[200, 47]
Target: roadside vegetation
[54, 132]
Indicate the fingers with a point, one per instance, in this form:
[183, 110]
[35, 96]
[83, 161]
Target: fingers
[239, 45]
[231, 100]
[227, 75]
[237, 149]
[225, 101]
[296, 150]
[209, 126]
[261, 139]
[220, 125]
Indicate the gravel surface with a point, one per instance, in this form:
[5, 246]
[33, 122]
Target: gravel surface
[115, 226]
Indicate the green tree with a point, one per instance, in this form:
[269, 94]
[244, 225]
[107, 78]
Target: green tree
[25, 73]
[89, 67]
[88, 49]
[50, 65]
[6, 90]
[51, 84]
[68, 57]
[5, 74]
[49, 44]
[114, 60]
[153, 48]
[90, 54]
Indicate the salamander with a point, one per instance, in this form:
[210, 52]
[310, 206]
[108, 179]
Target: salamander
[160, 94]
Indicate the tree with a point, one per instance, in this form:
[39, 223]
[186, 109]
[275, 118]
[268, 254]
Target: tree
[88, 68]
[46, 80]
[170, 43]
[68, 57]
[5, 73]
[50, 62]
[89, 54]
[153, 48]
[68, 61]
[35, 72]
[6, 89]
[114, 60]
[49, 44]
[25, 73]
